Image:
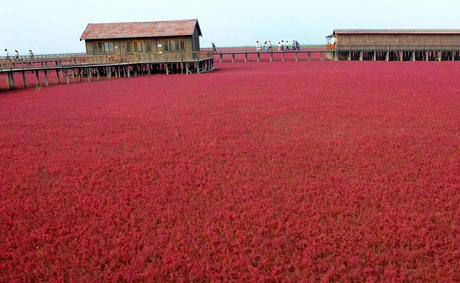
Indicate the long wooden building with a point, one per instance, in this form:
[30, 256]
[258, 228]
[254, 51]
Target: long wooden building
[165, 39]
[397, 45]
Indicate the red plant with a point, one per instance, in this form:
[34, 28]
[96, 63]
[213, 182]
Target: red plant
[256, 172]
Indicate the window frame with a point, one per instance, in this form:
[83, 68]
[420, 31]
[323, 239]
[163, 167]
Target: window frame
[100, 48]
[129, 47]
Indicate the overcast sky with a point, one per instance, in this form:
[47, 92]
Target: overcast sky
[55, 26]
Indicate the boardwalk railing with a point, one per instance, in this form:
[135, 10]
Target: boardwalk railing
[65, 69]
[223, 49]
[41, 56]
[82, 59]
[304, 55]
[398, 47]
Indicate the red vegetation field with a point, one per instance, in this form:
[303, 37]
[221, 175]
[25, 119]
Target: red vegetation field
[256, 172]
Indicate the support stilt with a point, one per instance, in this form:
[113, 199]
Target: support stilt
[24, 80]
[46, 78]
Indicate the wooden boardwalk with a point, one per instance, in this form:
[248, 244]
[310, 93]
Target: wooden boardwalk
[364, 53]
[89, 68]
[303, 55]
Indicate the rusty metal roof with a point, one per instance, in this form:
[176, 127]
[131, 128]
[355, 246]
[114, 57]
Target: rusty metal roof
[398, 31]
[140, 29]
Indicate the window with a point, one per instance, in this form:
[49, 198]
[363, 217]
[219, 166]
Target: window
[160, 47]
[137, 47]
[171, 45]
[166, 45]
[182, 45]
[128, 47]
[100, 47]
[177, 43]
[108, 47]
[148, 46]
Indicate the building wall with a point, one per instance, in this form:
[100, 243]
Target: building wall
[141, 45]
[196, 40]
[397, 40]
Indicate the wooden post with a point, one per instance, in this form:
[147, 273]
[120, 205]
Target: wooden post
[90, 75]
[233, 57]
[413, 56]
[187, 68]
[167, 69]
[271, 56]
[427, 58]
[245, 57]
[387, 56]
[129, 71]
[11, 84]
[220, 57]
[67, 76]
[440, 56]
[24, 80]
[198, 66]
[37, 79]
[46, 78]
[375, 56]
[401, 56]
[349, 55]
[361, 55]
[258, 56]
[97, 73]
[58, 79]
[453, 55]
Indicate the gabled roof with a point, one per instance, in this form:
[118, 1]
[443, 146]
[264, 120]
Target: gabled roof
[140, 29]
[397, 31]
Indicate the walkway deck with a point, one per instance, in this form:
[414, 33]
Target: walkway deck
[108, 66]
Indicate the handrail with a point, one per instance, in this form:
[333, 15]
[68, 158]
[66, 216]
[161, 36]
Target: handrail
[79, 59]
[275, 52]
[41, 56]
[340, 47]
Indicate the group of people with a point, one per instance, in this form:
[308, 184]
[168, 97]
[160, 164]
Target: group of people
[31, 54]
[267, 46]
[283, 46]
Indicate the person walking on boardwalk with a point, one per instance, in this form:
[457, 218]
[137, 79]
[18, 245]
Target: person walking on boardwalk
[279, 46]
[214, 49]
[265, 46]
[17, 54]
[282, 45]
[31, 54]
[7, 54]
[257, 46]
[270, 46]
